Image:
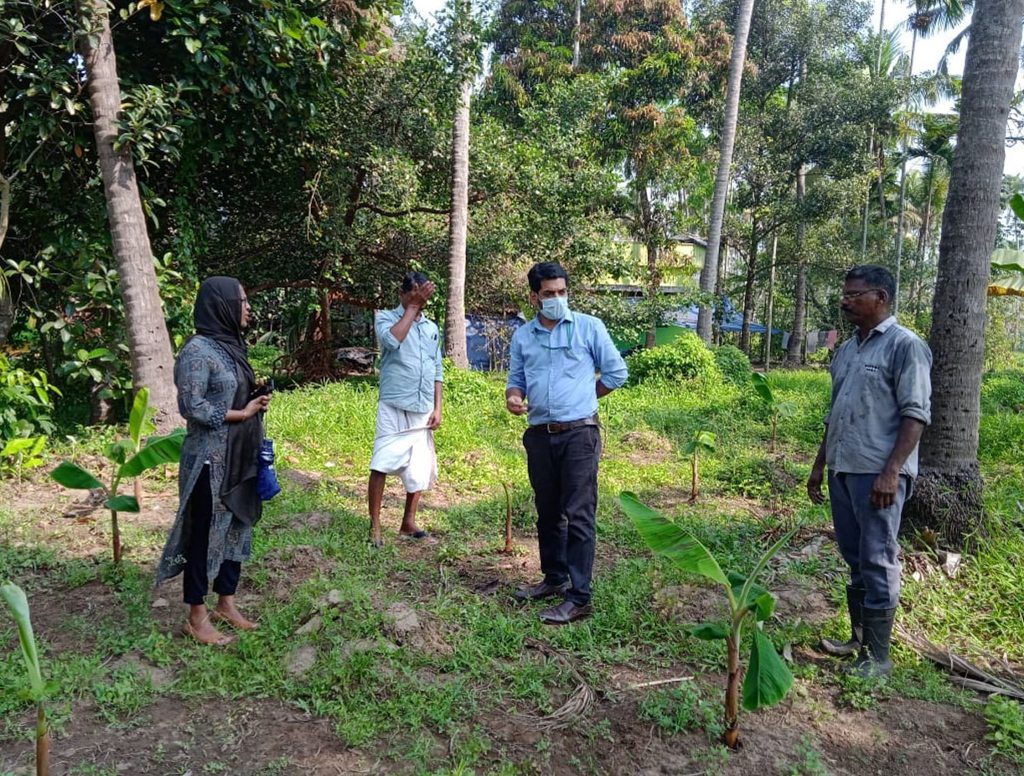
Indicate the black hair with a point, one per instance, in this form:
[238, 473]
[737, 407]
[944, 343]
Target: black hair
[413, 279]
[547, 270]
[876, 277]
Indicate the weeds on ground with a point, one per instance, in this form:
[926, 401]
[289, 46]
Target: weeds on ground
[1005, 720]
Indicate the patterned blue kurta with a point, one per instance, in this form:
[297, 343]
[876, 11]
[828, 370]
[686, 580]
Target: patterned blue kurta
[206, 379]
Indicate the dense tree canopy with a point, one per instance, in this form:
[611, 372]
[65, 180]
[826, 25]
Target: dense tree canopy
[306, 148]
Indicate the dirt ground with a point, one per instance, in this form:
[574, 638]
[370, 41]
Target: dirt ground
[173, 736]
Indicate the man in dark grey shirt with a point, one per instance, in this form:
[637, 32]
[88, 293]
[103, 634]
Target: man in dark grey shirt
[881, 400]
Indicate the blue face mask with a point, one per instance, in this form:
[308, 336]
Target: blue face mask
[555, 308]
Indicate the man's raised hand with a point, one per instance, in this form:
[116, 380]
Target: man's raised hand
[421, 293]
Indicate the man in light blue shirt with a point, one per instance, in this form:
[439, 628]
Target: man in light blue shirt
[555, 361]
[409, 408]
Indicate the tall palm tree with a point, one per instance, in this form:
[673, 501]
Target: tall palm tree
[926, 18]
[458, 219]
[149, 345]
[709, 271]
[948, 492]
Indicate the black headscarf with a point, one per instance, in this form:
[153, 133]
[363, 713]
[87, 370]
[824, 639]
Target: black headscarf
[218, 315]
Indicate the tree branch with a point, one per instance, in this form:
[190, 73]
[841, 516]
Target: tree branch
[337, 293]
[473, 200]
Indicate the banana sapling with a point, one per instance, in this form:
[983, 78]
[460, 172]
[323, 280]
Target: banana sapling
[156, 451]
[767, 678]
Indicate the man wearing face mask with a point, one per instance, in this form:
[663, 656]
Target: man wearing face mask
[562, 362]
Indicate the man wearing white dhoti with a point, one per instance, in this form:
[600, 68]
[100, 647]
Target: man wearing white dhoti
[409, 408]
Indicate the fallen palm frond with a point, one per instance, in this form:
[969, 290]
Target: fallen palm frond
[964, 673]
[566, 714]
[577, 704]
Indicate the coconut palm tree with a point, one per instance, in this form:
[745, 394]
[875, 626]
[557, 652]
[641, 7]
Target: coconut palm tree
[458, 219]
[149, 344]
[949, 489]
[709, 272]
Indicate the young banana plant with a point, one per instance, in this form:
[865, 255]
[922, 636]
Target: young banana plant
[703, 441]
[16, 601]
[130, 458]
[767, 678]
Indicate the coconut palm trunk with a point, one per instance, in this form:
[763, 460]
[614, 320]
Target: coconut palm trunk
[770, 306]
[709, 271]
[149, 345]
[796, 337]
[948, 492]
[458, 226]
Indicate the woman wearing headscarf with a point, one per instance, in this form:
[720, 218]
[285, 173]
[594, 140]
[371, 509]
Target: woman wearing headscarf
[212, 533]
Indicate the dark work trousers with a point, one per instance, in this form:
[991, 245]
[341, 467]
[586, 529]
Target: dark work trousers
[867, 536]
[563, 473]
[200, 514]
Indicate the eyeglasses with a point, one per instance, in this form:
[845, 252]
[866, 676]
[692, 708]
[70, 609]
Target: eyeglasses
[855, 294]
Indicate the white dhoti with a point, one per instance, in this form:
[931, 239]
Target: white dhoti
[404, 446]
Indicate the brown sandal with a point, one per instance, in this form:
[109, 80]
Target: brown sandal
[189, 631]
[220, 616]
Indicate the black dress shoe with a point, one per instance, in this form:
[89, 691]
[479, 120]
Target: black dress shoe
[565, 613]
[541, 590]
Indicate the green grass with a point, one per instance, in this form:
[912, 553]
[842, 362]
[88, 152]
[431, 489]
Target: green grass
[424, 705]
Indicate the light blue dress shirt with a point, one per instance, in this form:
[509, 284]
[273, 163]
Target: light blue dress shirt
[556, 369]
[408, 369]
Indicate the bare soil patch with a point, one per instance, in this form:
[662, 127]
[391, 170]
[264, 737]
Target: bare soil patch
[244, 737]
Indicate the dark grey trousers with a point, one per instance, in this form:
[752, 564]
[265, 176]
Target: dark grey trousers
[867, 536]
[563, 473]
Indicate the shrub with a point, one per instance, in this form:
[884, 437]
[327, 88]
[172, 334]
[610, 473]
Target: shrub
[26, 401]
[1005, 720]
[734, 364]
[685, 358]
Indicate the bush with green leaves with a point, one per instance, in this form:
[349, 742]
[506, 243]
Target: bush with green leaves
[767, 679]
[685, 358]
[733, 363]
[26, 401]
[1005, 720]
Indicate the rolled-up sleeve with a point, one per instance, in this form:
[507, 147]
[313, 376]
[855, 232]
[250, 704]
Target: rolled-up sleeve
[516, 372]
[914, 381]
[439, 361]
[608, 359]
[382, 323]
[193, 377]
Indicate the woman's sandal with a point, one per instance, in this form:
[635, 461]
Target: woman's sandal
[221, 617]
[188, 630]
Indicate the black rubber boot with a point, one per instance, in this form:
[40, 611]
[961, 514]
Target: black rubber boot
[873, 661]
[854, 602]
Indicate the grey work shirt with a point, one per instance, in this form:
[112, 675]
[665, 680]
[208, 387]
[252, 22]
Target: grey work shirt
[875, 384]
[408, 369]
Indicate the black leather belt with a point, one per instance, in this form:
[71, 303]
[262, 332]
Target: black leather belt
[558, 428]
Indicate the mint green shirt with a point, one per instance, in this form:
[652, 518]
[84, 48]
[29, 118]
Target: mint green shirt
[408, 369]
